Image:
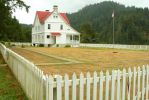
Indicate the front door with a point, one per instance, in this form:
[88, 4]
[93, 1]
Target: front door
[54, 39]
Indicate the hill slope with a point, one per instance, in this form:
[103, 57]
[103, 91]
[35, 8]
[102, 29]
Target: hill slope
[96, 24]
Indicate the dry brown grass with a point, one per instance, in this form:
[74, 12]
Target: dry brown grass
[92, 59]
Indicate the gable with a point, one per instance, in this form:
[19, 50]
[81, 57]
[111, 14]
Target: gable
[36, 21]
[43, 15]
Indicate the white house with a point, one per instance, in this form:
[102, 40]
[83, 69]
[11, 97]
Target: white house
[50, 28]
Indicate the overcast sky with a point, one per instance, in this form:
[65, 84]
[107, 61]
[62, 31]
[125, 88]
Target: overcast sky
[66, 6]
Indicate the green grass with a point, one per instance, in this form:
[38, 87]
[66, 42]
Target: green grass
[10, 89]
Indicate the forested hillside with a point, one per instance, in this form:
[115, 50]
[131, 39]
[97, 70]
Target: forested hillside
[96, 24]
[93, 21]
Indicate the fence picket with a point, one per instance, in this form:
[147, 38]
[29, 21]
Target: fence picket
[59, 87]
[143, 82]
[95, 80]
[81, 86]
[74, 84]
[66, 78]
[129, 84]
[101, 85]
[134, 83]
[113, 86]
[124, 84]
[107, 85]
[88, 86]
[147, 82]
[118, 85]
[50, 87]
[138, 92]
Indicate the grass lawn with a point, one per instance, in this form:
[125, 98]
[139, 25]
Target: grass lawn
[9, 87]
[90, 59]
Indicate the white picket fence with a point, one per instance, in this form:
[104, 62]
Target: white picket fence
[117, 46]
[131, 84]
[120, 85]
[30, 77]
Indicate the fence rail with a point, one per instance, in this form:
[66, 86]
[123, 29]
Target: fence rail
[131, 84]
[117, 46]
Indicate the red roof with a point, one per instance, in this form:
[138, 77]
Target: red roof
[43, 15]
[55, 33]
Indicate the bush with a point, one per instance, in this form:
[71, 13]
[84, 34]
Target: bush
[41, 45]
[57, 45]
[3, 42]
[23, 46]
[13, 45]
[67, 46]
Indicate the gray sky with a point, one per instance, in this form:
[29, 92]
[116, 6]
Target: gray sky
[66, 6]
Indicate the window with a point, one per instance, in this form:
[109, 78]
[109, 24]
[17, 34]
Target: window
[61, 27]
[76, 37]
[49, 26]
[48, 36]
[71, 37]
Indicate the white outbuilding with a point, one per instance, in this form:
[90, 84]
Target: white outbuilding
[53, 28]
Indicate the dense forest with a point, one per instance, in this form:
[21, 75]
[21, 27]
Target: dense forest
[95, 22]
[10, 28]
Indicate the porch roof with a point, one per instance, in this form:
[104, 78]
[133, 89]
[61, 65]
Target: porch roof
[55, 34]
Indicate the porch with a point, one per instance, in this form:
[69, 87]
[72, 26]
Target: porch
[72, 39]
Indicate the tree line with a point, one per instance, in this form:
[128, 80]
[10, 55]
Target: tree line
[10, 28]
[96, 24]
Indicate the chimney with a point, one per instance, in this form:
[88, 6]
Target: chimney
[55, 8]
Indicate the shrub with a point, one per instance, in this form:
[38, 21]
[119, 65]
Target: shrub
[67, 46]
[57, 45]
[3, 42]
[23, 46]
[41, 45]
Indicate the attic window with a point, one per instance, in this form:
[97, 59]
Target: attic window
[55, 16]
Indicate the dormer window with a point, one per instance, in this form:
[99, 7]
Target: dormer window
[61, 27]
[49, 26]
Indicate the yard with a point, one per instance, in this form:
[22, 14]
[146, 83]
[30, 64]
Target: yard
[9, 87]
[70, 60]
